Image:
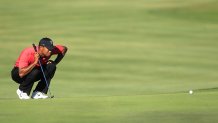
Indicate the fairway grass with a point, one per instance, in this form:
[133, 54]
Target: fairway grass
[168, 108]
[128, 61]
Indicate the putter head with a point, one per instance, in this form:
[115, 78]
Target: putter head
[52, 96]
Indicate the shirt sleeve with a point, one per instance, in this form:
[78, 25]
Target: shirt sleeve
[24, 60]
[58, 49]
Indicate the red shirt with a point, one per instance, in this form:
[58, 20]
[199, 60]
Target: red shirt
[27, 56]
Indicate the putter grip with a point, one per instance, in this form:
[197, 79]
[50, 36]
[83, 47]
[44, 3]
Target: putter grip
[34, 46]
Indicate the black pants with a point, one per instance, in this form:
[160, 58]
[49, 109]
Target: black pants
[26, 83]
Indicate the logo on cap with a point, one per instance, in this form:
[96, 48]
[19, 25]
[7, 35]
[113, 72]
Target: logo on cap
[51, 42]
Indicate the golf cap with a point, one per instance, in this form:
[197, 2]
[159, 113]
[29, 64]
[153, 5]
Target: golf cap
[46, 42]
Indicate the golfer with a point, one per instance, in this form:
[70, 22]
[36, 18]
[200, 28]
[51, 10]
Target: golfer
[27, 70]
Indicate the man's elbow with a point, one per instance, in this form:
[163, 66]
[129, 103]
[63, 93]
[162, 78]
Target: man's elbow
[21, 75]
[65, 50]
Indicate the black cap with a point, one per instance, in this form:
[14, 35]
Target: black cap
[46, 42]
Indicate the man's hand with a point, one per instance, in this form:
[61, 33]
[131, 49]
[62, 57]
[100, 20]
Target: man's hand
[36, 56]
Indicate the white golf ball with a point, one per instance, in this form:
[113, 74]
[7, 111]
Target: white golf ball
[190, 92]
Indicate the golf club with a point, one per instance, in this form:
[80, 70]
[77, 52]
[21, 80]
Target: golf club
[51, 96]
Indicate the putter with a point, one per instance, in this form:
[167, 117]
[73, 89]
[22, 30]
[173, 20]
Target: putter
[51, 96]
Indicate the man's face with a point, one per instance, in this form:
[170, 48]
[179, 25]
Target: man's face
[45, 52]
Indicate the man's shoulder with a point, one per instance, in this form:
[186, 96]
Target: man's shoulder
[28, 50]
[58, 48]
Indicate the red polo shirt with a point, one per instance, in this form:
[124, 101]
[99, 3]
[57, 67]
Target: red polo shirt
[27, 56]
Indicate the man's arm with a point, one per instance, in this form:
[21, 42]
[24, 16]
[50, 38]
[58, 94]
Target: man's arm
[61, 55]
[24, 71]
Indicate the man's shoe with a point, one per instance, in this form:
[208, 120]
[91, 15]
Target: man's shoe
[38, 95]
[22, 95]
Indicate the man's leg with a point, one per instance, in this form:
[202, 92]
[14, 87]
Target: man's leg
[15, 75]
[49, 70]
[29, 80]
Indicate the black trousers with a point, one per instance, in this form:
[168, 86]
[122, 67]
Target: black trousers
[27, 82]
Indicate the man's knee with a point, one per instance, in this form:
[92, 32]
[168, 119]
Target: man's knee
[50, 70]
[51, 67]
[35, 72]
[33, 76]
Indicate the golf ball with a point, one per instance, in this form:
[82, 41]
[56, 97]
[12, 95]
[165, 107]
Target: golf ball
[190, 92]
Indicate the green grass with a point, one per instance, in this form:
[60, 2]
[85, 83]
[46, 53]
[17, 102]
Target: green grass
[128, 61]
[169, 108]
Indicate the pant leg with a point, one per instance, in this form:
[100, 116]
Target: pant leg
[49, 70]
[26, 83]
[15, 75]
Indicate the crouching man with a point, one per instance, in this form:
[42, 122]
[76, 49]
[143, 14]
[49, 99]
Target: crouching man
[27, 70]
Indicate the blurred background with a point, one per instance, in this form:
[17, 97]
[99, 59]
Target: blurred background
[117, 47]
